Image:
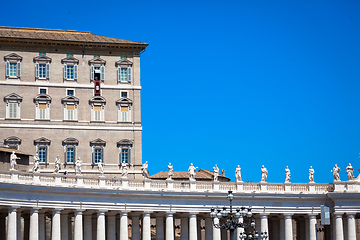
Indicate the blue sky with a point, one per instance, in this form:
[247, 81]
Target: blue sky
[274, 83]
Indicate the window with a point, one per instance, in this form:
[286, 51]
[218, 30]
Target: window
[97, 69]
[124, 109]
[70, 92]
[97, 108]
[97, 150]
[13, 101]
[12, 142]
[42, 148]
[42, 54]
[42, 67]
[70, 145]
[124, 70]
[70, 104]
[13, 66]
[70, 68]
[69, 55]
[122, 57]
[123, 94]
[42, 105]
[125, 146]
[43, 91]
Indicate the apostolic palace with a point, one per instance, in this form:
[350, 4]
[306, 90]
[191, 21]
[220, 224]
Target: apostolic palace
[71, 163]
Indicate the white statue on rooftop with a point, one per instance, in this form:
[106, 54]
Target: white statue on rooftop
[170, 172]
[124, 169]
[78, 164]
[13, 159]
[311, 174]
[264, 173]
[335, 172]
[36, 163]
[57, 164]
[144, 170]
[287, 174]
[238, 174]
[349, 172]
[216, 173]
[192, 172]
[101, 167]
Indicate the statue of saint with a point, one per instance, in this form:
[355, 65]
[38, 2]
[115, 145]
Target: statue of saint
[57, 164]
[264, 173]
[311, 174]
[36, 163]
[124, 169]
[335, 172]
[78, 164]
[192, 172]
[349, 172]
[13, 159]
[216, 173]
[287, 174]
[238, 173]
[170, 172]
[101, 167]
[144, 170]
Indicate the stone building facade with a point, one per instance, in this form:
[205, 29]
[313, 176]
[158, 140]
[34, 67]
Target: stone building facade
[51, 106]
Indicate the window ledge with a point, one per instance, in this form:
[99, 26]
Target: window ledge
[124, 122]
[119, 82]
[13, 119]
[43, 120]
[97, 121]
[70, 120]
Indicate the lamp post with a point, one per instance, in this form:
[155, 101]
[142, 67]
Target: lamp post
[232, 221]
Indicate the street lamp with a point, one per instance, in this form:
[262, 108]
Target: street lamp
[232, 221]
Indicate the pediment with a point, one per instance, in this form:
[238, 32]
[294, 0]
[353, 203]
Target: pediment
[125, 101]
[42, 58]
[125, 142]
[13, 56]
[97, 60]
[97, 142]
[97, 99]
[70, 99]
[123, 62]
[69, 59]
[13, 96]
[12, 140]
[70, 141]
[42, 97]
[42, 140]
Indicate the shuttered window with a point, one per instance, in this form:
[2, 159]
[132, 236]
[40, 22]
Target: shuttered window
[124, 114]
[70, 154]
[13, 110]
[42, 152]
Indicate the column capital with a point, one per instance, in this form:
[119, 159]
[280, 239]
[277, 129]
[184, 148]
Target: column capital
[102, 211]
[264, 214]
[338, 214]
[147, 212]
[193, 213]
[170, 213]
[35, 209]
[124, 212]
[57, 210]
[312, 215]
[288, 215]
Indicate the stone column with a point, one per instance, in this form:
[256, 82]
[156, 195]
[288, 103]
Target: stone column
[78, 225]
[351, 226]
[146, 227]
[18, 224]
[312, 226]
[124, 234]
[159, 228]
[208, 228]
[169, 235]
[264, 226]
[100, 229]
[282, 227]
[34, 224]
[339, 234]
[56, 225]
[216, 231]
[12, 222]
[42, 225]
[184, 235]
[193, 226]
[64, 218]
[87, 225]
[111, 226]
[135, 229]
[288, 226]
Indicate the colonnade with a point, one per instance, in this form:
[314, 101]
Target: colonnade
[113, 225]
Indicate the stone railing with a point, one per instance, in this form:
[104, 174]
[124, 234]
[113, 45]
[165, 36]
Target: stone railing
[79, 181]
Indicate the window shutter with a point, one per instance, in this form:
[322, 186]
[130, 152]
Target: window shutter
[70, 107]
[36, 70]
[97, 108]
[65, 70]
[129, 74]
[42, 105]
[92, 73]
[93, 155]
[75, 72]
[18, 69]
[7, 71]
[119, 74]
[47, 70]
[102, 75]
